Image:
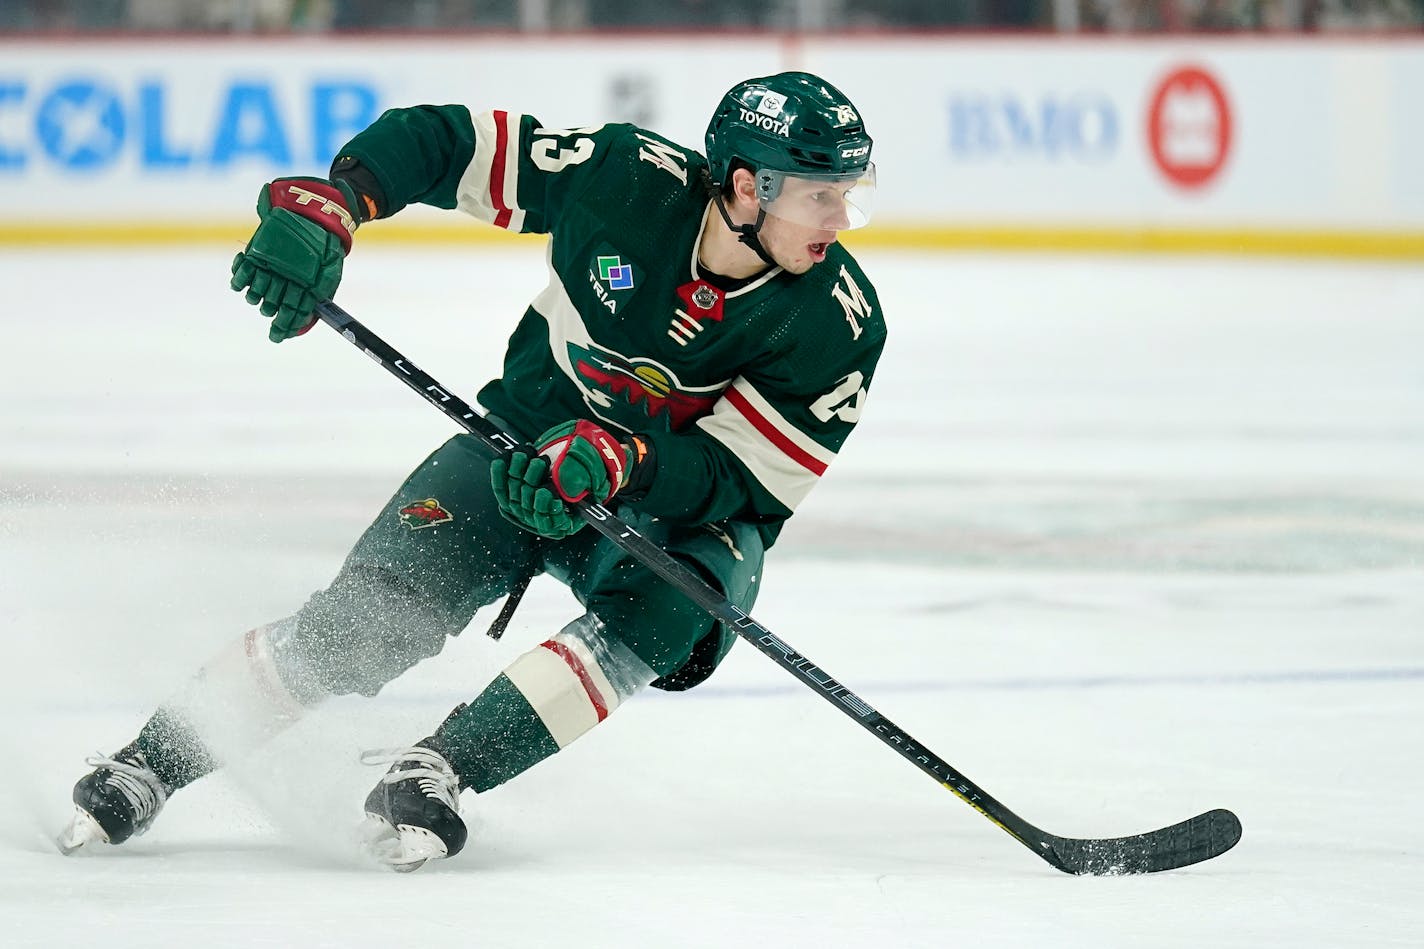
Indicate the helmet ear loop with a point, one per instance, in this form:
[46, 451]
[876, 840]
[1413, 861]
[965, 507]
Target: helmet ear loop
[750, 234]
[746, 233]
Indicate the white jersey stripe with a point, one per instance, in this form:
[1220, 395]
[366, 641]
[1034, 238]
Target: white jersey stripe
[786, 430]
[473, 196]
[511, 172]
[566, 326]
[783, 458]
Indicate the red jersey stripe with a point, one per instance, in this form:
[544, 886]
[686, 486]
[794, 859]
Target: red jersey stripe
[501, 151]
[565, 653]
[773, 434]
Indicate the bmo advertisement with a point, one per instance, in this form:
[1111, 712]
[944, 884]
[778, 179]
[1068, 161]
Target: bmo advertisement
[1229, 137]
[1224, 144]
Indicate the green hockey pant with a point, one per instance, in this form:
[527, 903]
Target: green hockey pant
[440, 550]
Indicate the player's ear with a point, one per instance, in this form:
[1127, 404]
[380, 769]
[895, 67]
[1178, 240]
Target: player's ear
[744, 188]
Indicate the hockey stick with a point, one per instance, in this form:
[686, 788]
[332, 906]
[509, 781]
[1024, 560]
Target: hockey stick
[1191, 841]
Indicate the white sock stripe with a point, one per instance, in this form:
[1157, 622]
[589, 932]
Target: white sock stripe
[555, 692]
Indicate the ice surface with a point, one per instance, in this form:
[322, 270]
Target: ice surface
[1122, 540]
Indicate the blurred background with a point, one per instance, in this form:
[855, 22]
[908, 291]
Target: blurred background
[1275, 127]
[242, 16]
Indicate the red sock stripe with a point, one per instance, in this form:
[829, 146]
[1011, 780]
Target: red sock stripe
[574, 663]
[501, 151]
[272, 688]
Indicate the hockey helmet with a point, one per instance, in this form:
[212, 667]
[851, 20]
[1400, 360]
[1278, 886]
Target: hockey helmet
[796, 127]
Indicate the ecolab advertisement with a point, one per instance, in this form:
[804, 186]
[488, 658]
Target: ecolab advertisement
[999, 138]
[114, 132]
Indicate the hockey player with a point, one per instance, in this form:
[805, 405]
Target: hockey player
[700, 353]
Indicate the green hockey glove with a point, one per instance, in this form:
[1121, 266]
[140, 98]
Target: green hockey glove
[294, 258]
[572, 461]
[522, 491]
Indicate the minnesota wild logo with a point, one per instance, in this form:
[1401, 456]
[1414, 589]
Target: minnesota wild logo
[426, 513]
[638, 389]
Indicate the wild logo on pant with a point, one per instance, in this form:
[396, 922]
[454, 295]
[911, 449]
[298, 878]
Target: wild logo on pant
[426, 513]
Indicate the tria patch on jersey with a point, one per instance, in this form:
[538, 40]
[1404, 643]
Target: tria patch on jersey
[701, 303]
[426, 513]
[615, 273]
[612, 278]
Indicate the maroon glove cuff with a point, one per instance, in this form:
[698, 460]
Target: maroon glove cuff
[317, 201]
[591, 446]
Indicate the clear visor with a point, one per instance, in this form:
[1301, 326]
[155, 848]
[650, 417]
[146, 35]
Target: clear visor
[838, 203]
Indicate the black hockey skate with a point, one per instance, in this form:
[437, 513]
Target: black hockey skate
[115, 801]
[413, 813]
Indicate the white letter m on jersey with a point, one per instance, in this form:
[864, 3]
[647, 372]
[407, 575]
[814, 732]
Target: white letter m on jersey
[665, 157]
[853, 301]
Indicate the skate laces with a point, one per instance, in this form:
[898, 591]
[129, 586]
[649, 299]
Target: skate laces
[137, 782]
[428, 768]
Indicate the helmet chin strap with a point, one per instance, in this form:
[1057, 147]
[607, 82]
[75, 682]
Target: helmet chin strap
[746, 233]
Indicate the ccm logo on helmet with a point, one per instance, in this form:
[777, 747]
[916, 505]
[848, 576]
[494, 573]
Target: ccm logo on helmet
[765, 121]
[855, 152]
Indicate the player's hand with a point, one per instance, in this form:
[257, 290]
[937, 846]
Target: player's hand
[570, 462]
[294, 258]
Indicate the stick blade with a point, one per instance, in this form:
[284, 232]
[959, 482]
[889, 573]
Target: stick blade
[1180, 845]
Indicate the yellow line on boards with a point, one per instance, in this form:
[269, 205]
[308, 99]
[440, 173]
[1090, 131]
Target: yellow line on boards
[1228, 241]
[1389, 245]
[136, 234]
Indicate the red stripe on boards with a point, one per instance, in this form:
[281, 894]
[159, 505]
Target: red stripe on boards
[774, 435]
[573, 662]
[501, 149]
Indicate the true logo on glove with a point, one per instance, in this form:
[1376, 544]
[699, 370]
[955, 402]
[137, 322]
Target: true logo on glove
[328, 206]
[566, 447]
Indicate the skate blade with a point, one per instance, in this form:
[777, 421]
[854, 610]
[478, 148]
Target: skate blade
[403, 849]
[82, 830]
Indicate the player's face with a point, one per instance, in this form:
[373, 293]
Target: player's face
[818, 204]
[796, 247]
[804, 218]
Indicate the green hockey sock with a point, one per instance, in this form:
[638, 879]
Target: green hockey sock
[547, 698]
[495, 737]
[173, 750]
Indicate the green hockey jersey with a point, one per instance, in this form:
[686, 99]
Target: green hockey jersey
[746, 395]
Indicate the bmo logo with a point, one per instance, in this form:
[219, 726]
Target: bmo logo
[1189, 127]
